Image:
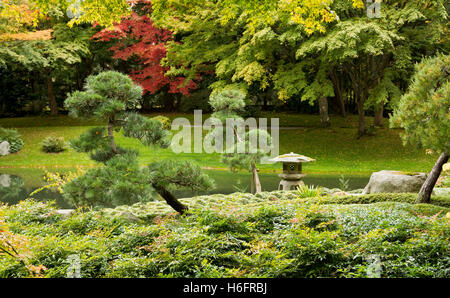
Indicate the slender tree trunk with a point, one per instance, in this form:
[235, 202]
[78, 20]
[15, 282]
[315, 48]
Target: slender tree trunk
[378, 119]
[427, 188]
[337, 86]
[256, 184]
[111, 136]
[265, 100]
[342, 105]
[170, 102]
[252, 185]
[79, 79]
[323, 109]
[361, 118]
[51, 96]
[171, 199]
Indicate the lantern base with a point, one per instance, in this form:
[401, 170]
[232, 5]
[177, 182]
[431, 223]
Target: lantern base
[290, 184]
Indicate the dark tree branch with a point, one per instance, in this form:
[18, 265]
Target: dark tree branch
[171, 199]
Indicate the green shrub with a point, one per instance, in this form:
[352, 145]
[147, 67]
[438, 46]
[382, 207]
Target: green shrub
[13, 137]
[120, 182]
[312, 253]
[267, 238]
[133, 267]
[30, 211]
[384, 197]
[148, 210]
[267, 218]
[53, 144]
[165, 121]
[305, 191]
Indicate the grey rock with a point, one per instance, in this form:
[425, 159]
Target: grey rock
[65, 212]
[4, 148]
[394, 182]
[5, 180]
[127, 215]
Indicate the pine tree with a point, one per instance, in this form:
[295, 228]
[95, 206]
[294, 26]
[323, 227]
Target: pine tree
[112, 97]
[424, 113]
[245, 151]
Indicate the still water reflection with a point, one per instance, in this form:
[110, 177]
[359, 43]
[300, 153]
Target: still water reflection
[14, 189]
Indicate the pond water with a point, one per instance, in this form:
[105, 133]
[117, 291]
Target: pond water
[14, 188]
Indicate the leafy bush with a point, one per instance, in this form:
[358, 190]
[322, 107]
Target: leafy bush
[384, 197]
[13, 137]
[165, 121]
[284, 237]
[149, 210]
[31, 211]
[53, 144]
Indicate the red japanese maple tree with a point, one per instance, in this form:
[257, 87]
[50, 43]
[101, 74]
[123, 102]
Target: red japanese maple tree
[138, 38]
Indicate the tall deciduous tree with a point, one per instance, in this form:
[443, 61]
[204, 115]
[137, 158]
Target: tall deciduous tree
[44, 57]
[254, 57]
[424, 113]
[143, 45]
[376, 53]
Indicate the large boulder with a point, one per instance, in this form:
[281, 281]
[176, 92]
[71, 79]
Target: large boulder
[4, 148]
[394, 181]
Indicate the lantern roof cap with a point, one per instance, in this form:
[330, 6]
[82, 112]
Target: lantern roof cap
[292, 157]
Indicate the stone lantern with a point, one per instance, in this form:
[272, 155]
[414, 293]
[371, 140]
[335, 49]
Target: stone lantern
[292, 170]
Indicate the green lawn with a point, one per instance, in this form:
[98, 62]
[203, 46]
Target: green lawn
[336, 149]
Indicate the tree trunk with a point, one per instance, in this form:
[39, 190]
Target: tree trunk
[256, 184]
[338, 91]
[323, 109]
[169, 103]
[79, 79]
[361, 118]
[427, 188]
[252, 185]
[51, 96]
[111, 136]
[342, 105]
[171, 199]
[378, 119]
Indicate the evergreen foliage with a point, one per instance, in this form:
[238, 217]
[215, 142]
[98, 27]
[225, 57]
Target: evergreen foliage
[111, 96]
[424, 113]
[172, 175]
[13, 137]
[106, 96]
[120, 182]
[246, 151]
[53, 144]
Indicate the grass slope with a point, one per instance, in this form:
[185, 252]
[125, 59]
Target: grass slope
[336, 149]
